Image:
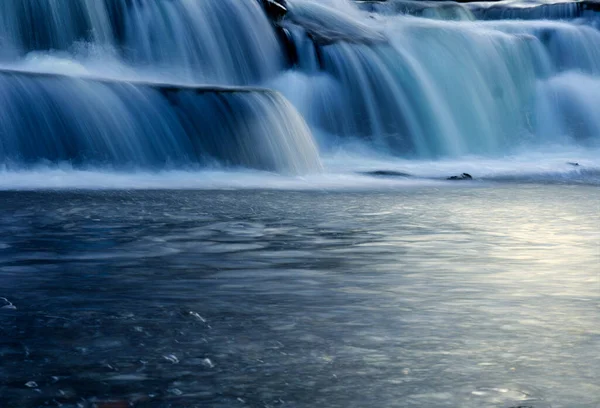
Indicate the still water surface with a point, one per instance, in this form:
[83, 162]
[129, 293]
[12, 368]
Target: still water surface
[427, 297]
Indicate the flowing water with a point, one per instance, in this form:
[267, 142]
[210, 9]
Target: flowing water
[484, 297]
[380, 80]
[210, 203]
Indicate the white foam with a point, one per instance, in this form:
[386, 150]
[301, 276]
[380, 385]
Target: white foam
[49, 178]
[526, 162]
[344, 170]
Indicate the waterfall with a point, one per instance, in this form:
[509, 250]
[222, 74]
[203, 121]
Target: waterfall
[158, 84]
[226, 41]
[439, 88]
[84, 122]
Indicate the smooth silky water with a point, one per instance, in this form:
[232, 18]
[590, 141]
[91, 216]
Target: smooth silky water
[483, 296]
[203, 205]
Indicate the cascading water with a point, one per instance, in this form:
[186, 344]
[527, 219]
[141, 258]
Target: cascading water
[88, 122]
[448, 272]
[95, 122]
[402, 79]
[441, 88]
[226, 42]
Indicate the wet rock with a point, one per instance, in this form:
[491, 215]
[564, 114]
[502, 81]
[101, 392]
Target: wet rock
[164, 88]
[464, 176]
[289, 46]
[386, 173]
[275, 10]
[541, 11]
[325, 25]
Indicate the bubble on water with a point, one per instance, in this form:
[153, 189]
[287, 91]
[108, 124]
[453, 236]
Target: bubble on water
[171, 358]
[197, 316]
[6, 304]
[128, 377]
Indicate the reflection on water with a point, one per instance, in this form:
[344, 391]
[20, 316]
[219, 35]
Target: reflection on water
[432, 298]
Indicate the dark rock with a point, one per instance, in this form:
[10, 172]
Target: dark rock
[276, 10]
[288, 45]
[386, 173]
[542, 11]
[464, 176]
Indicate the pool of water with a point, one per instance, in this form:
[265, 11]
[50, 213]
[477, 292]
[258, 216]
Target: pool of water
[450, 296]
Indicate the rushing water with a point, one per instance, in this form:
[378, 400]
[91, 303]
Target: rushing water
[408, 87]
[225, 41]
[90, 122]
[210, 203]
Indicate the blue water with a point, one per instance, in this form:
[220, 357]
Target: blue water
[434, 297]
[390, 83]
[203, 203]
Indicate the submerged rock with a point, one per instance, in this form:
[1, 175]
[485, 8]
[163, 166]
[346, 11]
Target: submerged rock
[327, 25]
[464, 176]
